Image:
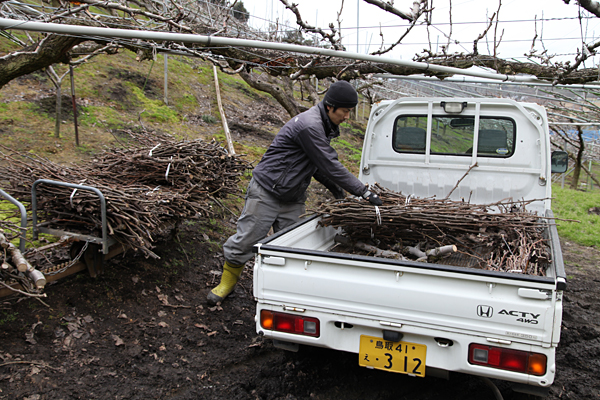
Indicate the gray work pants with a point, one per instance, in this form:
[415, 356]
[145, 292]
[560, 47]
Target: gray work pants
[261, 212]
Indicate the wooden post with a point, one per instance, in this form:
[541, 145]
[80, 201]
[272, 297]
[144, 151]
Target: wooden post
[590, 180]
[58, 111]
[74, 105]
[564, 174]
[166, 99]
[362, 111]
[222, 112]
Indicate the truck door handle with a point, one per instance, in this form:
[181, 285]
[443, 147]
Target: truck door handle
[534, 294]
[274, 261]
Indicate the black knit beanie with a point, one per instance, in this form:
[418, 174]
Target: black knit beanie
[341, 94]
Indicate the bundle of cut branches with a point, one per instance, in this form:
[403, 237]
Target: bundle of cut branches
[146, 188]
[503, 236]
[140, 137]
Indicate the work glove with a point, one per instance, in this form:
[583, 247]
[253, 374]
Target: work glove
[372, 197]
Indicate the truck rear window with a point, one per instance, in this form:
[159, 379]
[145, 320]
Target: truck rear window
[453, 135]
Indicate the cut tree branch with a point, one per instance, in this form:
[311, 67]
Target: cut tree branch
[392, 10]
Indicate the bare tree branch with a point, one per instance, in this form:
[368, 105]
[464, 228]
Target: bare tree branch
[496, 39]
[385, 6]
[483, 34]
[279, 91]
[50, 50]
[589, 5]
[330, 37]
[383, 51]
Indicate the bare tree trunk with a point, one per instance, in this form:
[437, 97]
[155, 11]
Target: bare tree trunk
[579, 159]
[313, 95]
[280, 92]
[58, 112]
[50, 50]
[57, 81]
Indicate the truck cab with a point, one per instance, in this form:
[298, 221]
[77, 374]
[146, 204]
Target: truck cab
[424, 146]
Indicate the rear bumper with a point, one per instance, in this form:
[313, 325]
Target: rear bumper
[446, 350]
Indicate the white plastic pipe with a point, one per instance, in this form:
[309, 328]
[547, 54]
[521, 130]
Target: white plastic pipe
[6, 23]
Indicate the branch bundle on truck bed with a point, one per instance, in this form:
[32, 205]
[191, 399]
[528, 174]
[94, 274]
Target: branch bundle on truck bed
[146, 188]
[502, 236]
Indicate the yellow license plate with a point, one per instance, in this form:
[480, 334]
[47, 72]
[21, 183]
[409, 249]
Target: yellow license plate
[402, 357]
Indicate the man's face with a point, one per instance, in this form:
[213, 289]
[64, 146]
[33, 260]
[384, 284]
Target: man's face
[339, 115]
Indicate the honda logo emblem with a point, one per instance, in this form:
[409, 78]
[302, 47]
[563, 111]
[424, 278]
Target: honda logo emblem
[485, 311]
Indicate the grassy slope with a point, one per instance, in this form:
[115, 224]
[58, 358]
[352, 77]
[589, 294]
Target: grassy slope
[116, 93]
[574, 205]
[110, 90]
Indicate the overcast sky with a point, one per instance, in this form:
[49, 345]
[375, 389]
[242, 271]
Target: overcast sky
[561, 30]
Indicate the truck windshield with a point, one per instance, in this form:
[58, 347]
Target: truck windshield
[454, 135]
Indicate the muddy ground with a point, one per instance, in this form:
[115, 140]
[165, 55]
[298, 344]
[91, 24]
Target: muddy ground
[143, 330]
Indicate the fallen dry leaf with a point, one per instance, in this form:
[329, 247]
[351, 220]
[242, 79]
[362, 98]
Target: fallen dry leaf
[29, 336]
[164, 299]
[78, 334]
[118, 340]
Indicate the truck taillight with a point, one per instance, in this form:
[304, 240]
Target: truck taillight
[507, 359]
[289, 323]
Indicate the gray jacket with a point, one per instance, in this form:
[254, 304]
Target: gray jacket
[300, 150]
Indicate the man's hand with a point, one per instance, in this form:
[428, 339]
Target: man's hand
[372, 197]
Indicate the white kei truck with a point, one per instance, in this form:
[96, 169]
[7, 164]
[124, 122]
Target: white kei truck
[421, 318]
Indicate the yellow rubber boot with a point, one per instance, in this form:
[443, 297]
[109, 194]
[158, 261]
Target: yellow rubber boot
[231, 274]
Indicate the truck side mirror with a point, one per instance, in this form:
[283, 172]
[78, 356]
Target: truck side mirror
[559, 162]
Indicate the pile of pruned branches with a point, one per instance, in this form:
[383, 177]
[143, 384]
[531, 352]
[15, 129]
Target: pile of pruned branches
[502, 236]
[147, 188]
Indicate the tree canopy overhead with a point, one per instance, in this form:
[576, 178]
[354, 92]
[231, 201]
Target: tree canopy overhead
[272, 71]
